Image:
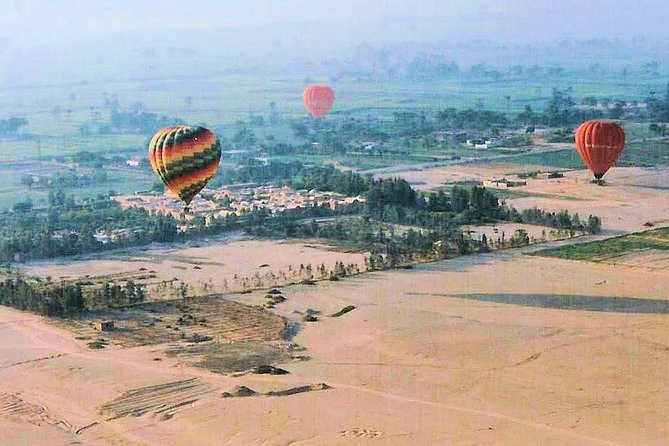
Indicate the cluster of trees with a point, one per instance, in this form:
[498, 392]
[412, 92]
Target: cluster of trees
[328, 178]
[133, 120]
[12, 126]
[254, 171]
[138, 122]
[658, 107]
[425, 67]
[111, 294]
[42, 297]
[474, 119]
[58, 299]
[66, 227]
[66, 179]
[433, 219]
[305, 273]
[558, 220]
[659, 129]
[338, 135]
[561, 111]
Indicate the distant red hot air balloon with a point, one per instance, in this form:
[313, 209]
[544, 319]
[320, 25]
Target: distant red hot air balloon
[600, 144]
[318, 99]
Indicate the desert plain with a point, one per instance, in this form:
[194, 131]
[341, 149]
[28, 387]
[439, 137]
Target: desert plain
[503, 348]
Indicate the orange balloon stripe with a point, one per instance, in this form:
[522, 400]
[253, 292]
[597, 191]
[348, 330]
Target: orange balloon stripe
[163, 146]
[156, 149]
[189, 148]
[588, 136]
[193, 177]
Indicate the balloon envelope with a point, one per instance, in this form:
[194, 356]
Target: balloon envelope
[318, 99]
[600, 144]
[185, 158]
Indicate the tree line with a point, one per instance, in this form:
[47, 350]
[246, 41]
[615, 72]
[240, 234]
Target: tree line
[41, 297]
[67, 227]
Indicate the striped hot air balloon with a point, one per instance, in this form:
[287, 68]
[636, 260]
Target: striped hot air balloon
[185, 158]
[600, 144]
[318, 99]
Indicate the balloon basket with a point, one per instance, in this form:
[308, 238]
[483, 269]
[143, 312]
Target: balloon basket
[598, 182]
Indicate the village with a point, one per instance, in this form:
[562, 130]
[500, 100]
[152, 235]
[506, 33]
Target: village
[237, 200]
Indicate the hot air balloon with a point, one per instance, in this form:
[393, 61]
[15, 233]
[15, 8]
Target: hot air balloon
[318, 99]
[600, 144]
[185, 158]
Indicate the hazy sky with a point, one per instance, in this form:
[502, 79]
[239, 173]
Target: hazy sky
[46, 22]
[49, 41]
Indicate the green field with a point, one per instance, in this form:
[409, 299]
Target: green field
[603, 250]
[222, 99]
[646, 153]
[120, 180]
[638, 153]
[47, 147]
[563, 159]
[519, 193]
[506, 193]
[56, 112]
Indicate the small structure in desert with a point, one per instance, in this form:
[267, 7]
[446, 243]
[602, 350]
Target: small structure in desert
[551, 174]
[104, 325]
[503, 183]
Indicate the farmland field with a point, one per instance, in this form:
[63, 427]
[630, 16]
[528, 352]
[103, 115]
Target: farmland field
[120, 180]
[637, 153]
[613, 250]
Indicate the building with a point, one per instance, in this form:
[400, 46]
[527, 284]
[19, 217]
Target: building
[481, 143]
[551, 174]
[133, 162]
[102, 238]
[234, 200]
[503, 183]
[104, 325]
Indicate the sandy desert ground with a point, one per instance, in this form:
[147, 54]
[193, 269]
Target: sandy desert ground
[494, 349]
[206, 269]
[631, 197]
[432, 178]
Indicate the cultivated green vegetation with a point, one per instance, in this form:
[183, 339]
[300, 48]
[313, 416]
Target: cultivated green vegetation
[603, 250]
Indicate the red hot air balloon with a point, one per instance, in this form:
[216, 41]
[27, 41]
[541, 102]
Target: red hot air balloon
[600, 144]
[318, 99]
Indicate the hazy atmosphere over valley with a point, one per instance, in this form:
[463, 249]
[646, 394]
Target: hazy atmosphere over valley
[334, 223]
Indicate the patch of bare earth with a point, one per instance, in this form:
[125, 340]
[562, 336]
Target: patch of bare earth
[13, 406]
[194, 319]
[212, 267]
[160, 399]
